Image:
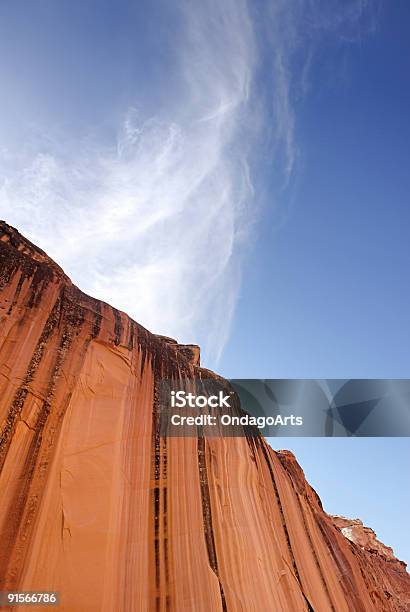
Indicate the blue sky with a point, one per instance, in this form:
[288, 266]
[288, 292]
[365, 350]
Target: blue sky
[332, 251]
[233, 174]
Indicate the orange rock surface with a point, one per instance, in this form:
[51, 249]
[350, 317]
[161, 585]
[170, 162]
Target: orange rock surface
[97, 505]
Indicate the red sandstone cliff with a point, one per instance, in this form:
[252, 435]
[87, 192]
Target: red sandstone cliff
[96, 505]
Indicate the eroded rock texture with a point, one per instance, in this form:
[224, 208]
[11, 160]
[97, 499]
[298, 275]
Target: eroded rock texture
[96, 505]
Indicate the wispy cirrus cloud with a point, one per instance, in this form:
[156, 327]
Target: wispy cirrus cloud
[154, 221]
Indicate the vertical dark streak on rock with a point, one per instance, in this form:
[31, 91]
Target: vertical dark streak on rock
[155, 476]
[207, 515]
[165, 506]
[21, 393]
[16, 293]
[131, 335]
[156, 535]
[309, 605]
[164, 365]
[166, 559]
[312, 547]
[39, 282]
[8, 266]
[259, 442]
[142, 342]
[40, 273]
[97, 321]
[117, 327]
[298, 492]
[17, 540]
[162, 368]
[261, 445]
[160, 500]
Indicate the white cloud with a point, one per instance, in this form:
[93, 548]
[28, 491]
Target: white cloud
[154, 224]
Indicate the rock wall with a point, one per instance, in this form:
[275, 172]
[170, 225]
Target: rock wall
[97, 505]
